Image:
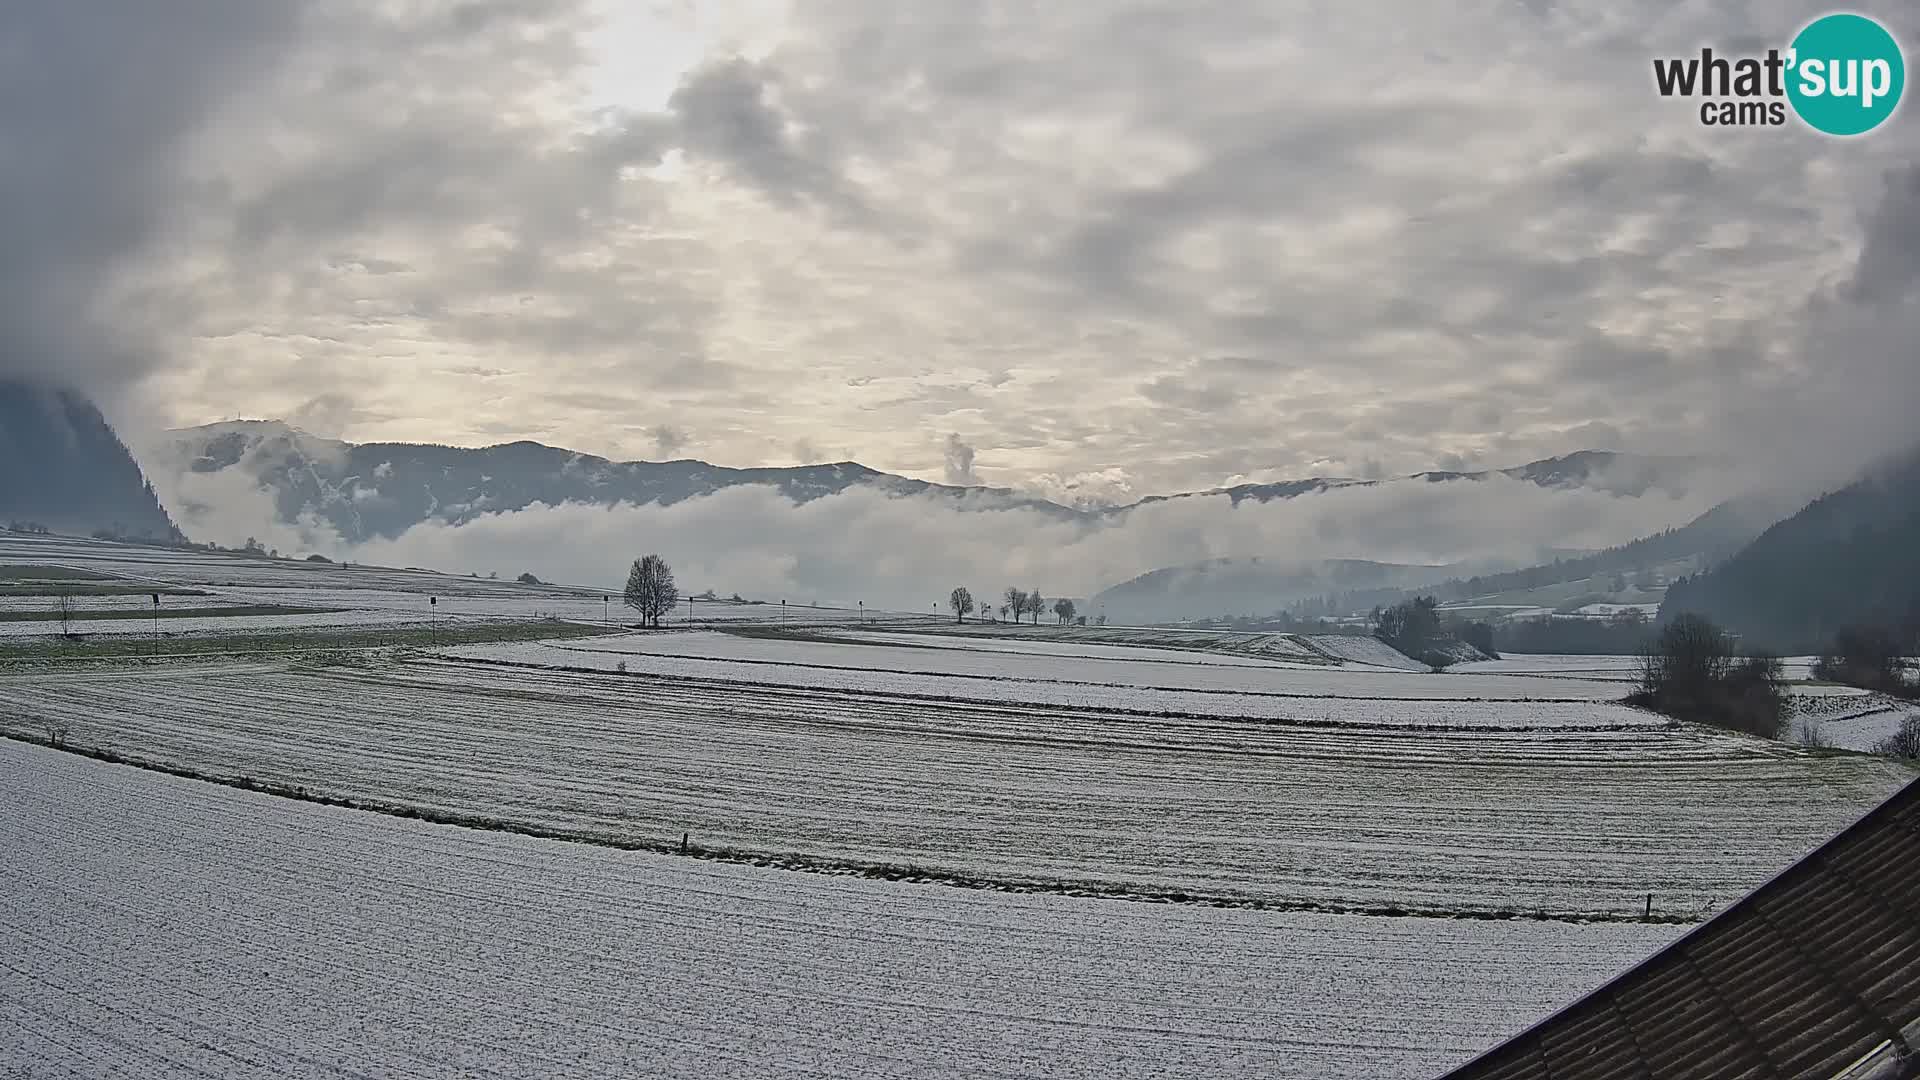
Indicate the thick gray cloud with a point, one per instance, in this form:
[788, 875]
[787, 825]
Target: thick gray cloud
[1129, 247]
[97, 101]
[725, 112]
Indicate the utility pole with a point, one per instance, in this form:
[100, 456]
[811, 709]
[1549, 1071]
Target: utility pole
[156, 622]
[689, 609]
[433, 619]
[863, 613]
[606, 616]
[783, 614]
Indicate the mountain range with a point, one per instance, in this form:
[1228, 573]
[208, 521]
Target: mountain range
[370, 490]
[1846, 557]
[1601, 470]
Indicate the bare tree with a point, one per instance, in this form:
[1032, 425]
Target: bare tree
[1689, 658]
[1016, 602]
[650, 589]
[63, 610]
[961, 601]
[1035, 605]
[1063, 611]
[1005, 610]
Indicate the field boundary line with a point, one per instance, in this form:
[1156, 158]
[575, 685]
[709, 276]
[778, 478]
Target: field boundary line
[1015, 678]
[1659, 724]
[800, 862]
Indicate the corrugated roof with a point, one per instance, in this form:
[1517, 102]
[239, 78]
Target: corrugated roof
[1810, 975]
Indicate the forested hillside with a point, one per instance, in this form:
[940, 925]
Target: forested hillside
[1849, 557]
[63, 467]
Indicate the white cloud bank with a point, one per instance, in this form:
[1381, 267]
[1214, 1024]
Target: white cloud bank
[906, 553]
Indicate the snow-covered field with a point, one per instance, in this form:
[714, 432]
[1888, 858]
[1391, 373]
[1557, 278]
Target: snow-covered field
[216, 624]
[1570, 822]
[1054, 647]
[369, 597]
[1125, 667]
[1848, 718]
[1616, 668]
[163, 928]
[134, 603]
[1365, 650]
[1219, 642]
[1323, 709]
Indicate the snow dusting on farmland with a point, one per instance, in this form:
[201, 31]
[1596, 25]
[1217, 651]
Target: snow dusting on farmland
[165, 928]
[352, 596]
[1453, 819]
[1298, 704]
[1115, 667]
[1072, 851]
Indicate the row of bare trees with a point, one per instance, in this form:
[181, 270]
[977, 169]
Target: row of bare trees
[652, 593]
[1014, 604]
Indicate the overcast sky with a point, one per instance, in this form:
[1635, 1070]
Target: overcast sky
[1088, 249]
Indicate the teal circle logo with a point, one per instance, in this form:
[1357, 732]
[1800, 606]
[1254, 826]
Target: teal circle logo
[1846, 74]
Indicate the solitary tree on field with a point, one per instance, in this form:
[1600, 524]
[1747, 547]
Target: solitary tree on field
[1063, 611]
[650, 589]
[63, 609]
[1005, 609]
[961, 600]
[1016, 602]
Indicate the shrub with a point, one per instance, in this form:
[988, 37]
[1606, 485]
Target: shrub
[1692, 673]
[1904, 743]
[1479, 635]
[1871, 657]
